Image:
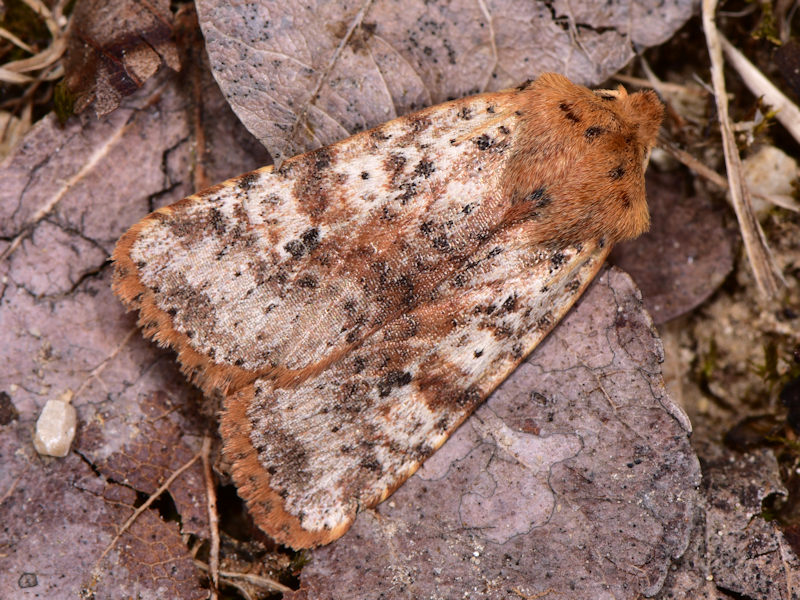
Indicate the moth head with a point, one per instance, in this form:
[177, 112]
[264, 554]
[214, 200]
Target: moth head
[587, 150]
[644, 111]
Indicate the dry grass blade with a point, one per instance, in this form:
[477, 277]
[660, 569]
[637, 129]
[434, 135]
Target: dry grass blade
[39, 61]
[41, 9]
[786, 111]
[766, 275]
[8, 76]
[30, 72]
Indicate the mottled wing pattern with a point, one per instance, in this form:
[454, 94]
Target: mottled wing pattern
[307, 457]
[281, 273]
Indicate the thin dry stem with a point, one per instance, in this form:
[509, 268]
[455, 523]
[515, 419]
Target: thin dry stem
[662, 87]
[213, 518]
[766, 275]
[701, 169]
[5, 33]
[785, 110]
[257, 580]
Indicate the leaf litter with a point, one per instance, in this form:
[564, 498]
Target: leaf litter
[66, 332]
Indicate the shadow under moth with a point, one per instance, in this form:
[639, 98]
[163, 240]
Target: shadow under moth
[355, 305]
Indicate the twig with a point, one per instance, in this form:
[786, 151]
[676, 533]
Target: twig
[5, 33]
[146, 505]
[99, 153]
[755, 244]
[213, 518]
[95, 374]
[258, 580]
[714, 177]
[662, 87]
[785, 110]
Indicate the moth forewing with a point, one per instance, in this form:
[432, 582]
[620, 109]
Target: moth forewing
[308, 456]
[355, 305]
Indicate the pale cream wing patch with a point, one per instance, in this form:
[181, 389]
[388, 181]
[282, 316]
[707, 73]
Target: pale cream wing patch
[282, 272]
[308, 456]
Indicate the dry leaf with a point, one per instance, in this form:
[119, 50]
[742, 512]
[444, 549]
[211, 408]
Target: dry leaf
[114, 47]
[67, 196]
[305, 75]
[734, 552]
[58, 516]
[576, 479]
[148, 459]
[685, 256]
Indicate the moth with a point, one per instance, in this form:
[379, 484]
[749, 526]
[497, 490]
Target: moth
[355, 305]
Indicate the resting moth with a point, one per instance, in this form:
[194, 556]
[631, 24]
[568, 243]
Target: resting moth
[355, 305]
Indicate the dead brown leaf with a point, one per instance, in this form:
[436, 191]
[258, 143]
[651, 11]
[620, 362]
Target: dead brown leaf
[113, 48]
[300, 76]
[685, 256]
[68, 194]
[734, 551]
[57, 517]
[575, 479]
[148, 459]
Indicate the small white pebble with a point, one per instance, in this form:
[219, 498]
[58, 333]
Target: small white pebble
[55, 428]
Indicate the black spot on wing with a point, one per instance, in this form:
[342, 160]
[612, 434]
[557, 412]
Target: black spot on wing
[247, 181]
[539, 198]
[392, 379]
[557, 260]
[424, 168]
[308, 281]
[483, 142]
[216, 220]
[322, 159]
[295, 248]
[310, 238]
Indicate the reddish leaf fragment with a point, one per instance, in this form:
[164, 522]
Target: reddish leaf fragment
[58, 518]
[114, 48]
[147, 460]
